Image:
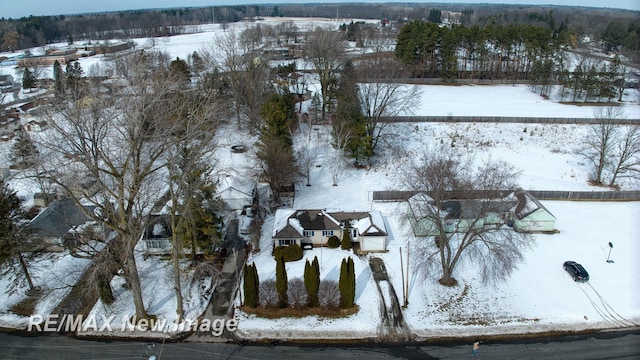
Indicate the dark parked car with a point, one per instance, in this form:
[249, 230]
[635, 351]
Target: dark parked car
[577, 272]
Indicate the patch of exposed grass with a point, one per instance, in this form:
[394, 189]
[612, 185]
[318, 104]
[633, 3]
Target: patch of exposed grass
[291, 312]
[26, 307]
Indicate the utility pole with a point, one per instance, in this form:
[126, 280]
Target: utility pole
[404, 293]
[406, 299]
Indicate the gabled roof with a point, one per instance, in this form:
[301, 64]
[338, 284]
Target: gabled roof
[316, 220]
[58, 218]
[372, 224]
[527, 205]
[283, 228]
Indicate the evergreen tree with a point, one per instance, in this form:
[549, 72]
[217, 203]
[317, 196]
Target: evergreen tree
[24, 151]
[278, 114]
[349, 117]
[16, 246]
[28, 80]
[251, 285]
[57, 77]
[180, 71]
[74, 74]
[199, 223]
[197, 63]
[346, 239]
[281, 282]
[347, 283]
[312, 281]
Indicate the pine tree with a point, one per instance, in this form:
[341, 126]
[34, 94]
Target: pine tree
[57, 77]
[24, 151]
[282, 282]
[74, 74]
[312, 281]
[180, 70]
[346, 239]
[28, 80]
[278, 114]
[251, 284]
[347, 283]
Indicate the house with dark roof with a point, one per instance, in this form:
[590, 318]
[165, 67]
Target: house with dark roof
[53, 224]
[315, 227]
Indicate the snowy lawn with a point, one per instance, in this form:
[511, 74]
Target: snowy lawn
[54, 273]
[540, 296]
[156, 274]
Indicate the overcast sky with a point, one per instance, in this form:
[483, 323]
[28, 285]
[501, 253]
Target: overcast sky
[20, 8]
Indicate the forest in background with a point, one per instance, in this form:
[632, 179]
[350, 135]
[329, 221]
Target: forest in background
[616, 28]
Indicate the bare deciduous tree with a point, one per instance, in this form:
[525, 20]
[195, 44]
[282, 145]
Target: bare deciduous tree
[297, 293]
[329, 294]
[380, 95]
[626, 159]
[453, 200]
[269, 297]
[306, 158]
[337, 166]
[118, 148]
[274, 164]
[246, 71]
[192, 141]
[600, 140]
[325, 50]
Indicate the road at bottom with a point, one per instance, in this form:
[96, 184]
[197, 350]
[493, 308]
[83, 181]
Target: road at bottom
[618, 345]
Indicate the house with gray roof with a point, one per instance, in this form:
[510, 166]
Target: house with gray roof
[54, 222]
[315, 227]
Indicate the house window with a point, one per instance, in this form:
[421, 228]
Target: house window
[327, 232]
[286, 242]
[309, 233]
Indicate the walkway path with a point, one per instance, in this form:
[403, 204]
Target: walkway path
[221, 304]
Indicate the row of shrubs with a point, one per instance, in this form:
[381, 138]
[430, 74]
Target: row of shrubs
[307, 292]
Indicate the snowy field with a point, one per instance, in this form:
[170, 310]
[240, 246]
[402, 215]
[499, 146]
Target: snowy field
[540, 296]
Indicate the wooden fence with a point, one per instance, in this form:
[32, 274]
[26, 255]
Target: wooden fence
[396, 196]
[504, 119]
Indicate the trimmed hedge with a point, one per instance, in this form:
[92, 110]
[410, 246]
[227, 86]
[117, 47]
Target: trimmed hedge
[333, 242]
[288, 253]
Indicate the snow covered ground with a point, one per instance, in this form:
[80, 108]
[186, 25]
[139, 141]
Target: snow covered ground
[540, 296]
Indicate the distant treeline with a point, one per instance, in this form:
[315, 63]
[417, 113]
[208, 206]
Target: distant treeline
[617, 28]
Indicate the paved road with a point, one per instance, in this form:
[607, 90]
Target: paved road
[599, 346]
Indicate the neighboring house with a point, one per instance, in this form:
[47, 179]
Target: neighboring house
[315, 227]
[530, 215]
[7, 83]
[236, 193]
[54, 222]
[157, 235]
[519, 209]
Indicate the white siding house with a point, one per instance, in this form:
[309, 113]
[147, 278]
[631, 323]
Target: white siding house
[315, 227]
